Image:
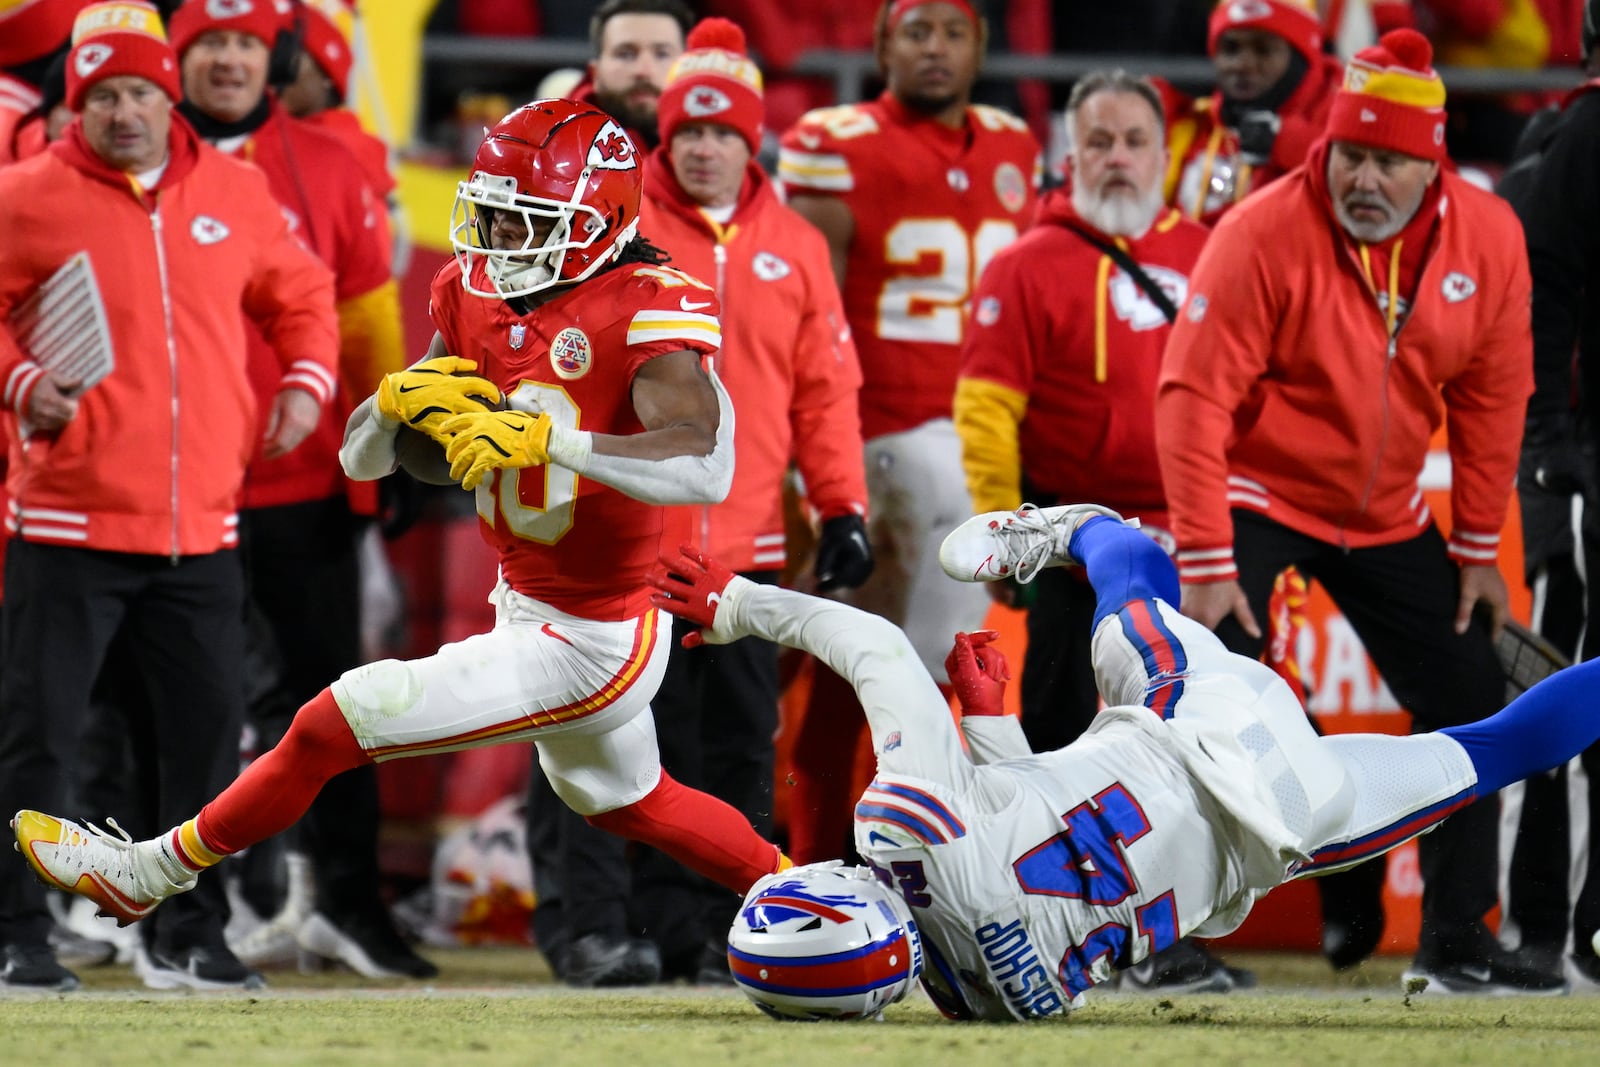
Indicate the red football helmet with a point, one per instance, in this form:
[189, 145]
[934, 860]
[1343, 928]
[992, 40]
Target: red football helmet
[574, 178]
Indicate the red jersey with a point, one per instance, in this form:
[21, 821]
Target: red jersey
[577, 545]
[932, 205]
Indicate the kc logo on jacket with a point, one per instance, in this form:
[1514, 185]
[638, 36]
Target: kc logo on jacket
[1134, 306]
[1456, 287]
[768, 267]
[207, 231]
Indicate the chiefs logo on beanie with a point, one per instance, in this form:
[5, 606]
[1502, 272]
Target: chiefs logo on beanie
[713, 81]
[1296, 21]
[1392, 98]
[258, 18]
[120, 38]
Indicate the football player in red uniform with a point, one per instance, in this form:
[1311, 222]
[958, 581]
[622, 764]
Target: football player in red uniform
[915, 191]
[597, 349]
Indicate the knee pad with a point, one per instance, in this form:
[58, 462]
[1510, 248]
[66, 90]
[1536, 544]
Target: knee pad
[377, 691]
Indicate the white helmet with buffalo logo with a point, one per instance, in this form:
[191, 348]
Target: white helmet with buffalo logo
[824, 941]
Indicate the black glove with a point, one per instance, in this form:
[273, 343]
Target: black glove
[1258, 130]
[844, 558]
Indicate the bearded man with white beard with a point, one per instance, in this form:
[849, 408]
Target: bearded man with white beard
[1336, 320]
[1056, 398]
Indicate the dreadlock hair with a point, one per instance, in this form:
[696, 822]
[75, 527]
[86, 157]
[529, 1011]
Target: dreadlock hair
[636, 252]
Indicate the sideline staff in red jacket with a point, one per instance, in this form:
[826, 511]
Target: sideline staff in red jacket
[1335, 320]
[124, 497]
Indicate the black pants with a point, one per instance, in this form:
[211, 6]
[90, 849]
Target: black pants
[1059, 696]
[1401, 601]
[183, 621]
[1542, 856]
[716, 713]
[302, 564]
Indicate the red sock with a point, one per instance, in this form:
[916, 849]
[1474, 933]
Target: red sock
[275, 790]
[698, 830]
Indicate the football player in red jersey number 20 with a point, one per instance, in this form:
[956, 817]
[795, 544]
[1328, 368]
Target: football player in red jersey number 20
[558, 305]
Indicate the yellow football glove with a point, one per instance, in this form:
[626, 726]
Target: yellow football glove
[494, 440]
[423, 396]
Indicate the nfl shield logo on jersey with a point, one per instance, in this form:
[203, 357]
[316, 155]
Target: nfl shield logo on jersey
[518, 332]
[571, 353]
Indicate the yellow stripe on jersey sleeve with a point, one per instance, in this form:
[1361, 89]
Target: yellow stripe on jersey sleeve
[813, 170]
[650, 326]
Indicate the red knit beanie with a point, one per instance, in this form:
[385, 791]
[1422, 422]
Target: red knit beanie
[1296, 21]
[1392, 98]
[258, 18]
[124, 37]
[713, 81]
[329, 27]
[33, 28]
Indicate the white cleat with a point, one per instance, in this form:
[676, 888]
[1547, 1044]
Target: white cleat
[1016, 544]
[121, 875]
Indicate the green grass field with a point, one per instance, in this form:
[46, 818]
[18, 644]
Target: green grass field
[495, 1007]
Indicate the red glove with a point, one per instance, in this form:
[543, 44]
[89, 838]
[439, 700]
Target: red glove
[691, 587]
[978, 673]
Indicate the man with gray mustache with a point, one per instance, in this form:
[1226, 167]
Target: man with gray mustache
[1334, 322]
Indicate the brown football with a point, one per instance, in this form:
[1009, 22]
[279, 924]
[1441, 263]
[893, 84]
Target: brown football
[422, 457]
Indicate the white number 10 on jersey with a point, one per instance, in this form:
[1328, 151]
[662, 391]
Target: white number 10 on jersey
[535, 503]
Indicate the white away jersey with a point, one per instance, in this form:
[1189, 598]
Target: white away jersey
[1053, 870]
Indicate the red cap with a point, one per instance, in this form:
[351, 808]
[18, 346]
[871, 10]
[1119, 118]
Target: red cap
[124, 37]
[1392, 98]
[713, 81]
[1296, 21]
[258, 18]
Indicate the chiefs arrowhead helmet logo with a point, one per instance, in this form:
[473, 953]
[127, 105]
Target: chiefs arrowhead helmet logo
[612, 150]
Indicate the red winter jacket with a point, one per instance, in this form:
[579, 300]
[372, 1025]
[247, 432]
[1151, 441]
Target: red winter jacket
[331, 207]
[787, 360]
[1283, 393]
[154, 459]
